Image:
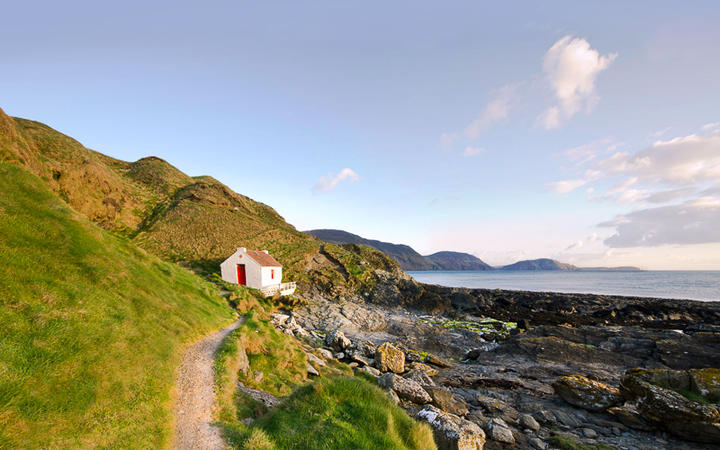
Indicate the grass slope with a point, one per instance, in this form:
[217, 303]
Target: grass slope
[339, 412]
[194, 220]
[91, 327]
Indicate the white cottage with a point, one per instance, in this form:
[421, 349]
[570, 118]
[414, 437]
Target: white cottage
[255, 269]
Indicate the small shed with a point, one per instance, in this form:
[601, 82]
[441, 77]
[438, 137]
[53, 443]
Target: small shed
[256, 269]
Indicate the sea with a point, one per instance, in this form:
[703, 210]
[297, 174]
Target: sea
[692, 285]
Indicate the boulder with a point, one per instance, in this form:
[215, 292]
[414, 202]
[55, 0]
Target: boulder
[660, 404]
[389, 358]
[446, 400]
[312, 371]
[419, 377]
[318, 362]
[452, 432]
[337, 341]
[405, 389]
[437, 361]
[429, 371]
[499, 431]
[587, 394]
[528, 422]
[497, 407]
[373, 372]
[629, 416]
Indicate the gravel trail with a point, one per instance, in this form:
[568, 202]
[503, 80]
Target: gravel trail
[196, 397]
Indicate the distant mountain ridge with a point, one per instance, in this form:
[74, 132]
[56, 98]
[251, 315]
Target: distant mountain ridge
[406, 256]
[458, 261]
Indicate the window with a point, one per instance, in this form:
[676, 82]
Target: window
[272, 274]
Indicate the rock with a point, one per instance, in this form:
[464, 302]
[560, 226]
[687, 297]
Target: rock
[528, 422]
[277, 319]
[315, 360]
[419, 377]
[258, 376]
[546, 416]
[389, 358]
[589, 433]
[437, 361]
[452, 432]
[566, 419]
[685, 418]
[587, 394]
[537, 443]
[499, 431]
[393, 396]
[339, 355]
[405, 389]
[706, 383]
[363, 361]
[337, 340]
[629, 416]
[373, 372]
[312, 371]
[327, 354]
[498, 408]
[446, 400]
[429, 371]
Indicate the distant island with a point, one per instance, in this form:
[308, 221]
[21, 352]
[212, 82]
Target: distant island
[539, 264]
[411, 260]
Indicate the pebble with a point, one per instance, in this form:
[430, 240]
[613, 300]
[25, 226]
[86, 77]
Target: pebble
[589, 433]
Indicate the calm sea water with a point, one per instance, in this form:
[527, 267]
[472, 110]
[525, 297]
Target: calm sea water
[695, 285]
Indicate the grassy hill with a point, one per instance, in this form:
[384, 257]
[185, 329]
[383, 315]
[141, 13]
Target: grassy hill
[196, 221]
[91, 324]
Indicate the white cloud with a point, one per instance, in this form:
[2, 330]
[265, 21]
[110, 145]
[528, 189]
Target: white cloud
[571, 67]
[691, 222]
[330, 182]
[496, 110]
[565, 186]
[711, 126]
[472, 151]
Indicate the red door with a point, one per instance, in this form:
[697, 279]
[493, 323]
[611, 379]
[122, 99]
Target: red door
[241, 274]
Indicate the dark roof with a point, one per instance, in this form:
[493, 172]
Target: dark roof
[263, 258]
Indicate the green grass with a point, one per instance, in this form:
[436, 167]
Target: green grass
[92, 327]
[339, 412]
[197, 221]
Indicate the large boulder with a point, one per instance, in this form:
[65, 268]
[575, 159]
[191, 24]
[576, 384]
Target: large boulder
[405, 389]
[337, 341]
[389, 358]
[586, 393]
[654, 392]
[452, 432]
[446, 400]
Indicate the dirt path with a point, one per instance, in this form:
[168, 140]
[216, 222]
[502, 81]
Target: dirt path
[195, 395]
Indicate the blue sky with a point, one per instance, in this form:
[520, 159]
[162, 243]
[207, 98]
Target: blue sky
[579, 131]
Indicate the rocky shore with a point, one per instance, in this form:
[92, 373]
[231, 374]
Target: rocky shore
[507, 369]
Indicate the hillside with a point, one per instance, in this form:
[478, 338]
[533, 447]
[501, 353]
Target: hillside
[458, 261]
[406, 256]
[195, 221]
[91, 327]
[540, 264]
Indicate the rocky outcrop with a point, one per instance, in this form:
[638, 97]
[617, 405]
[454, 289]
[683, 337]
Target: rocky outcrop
[337, 341]
[405, 389]
[446, 400]
[658, 400]
[587, 394]
[452, 432]
[389, 358]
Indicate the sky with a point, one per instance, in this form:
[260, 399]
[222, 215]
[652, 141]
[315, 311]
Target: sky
[588, 132]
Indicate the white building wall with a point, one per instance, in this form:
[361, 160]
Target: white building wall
[267, 278]
[256, 276]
